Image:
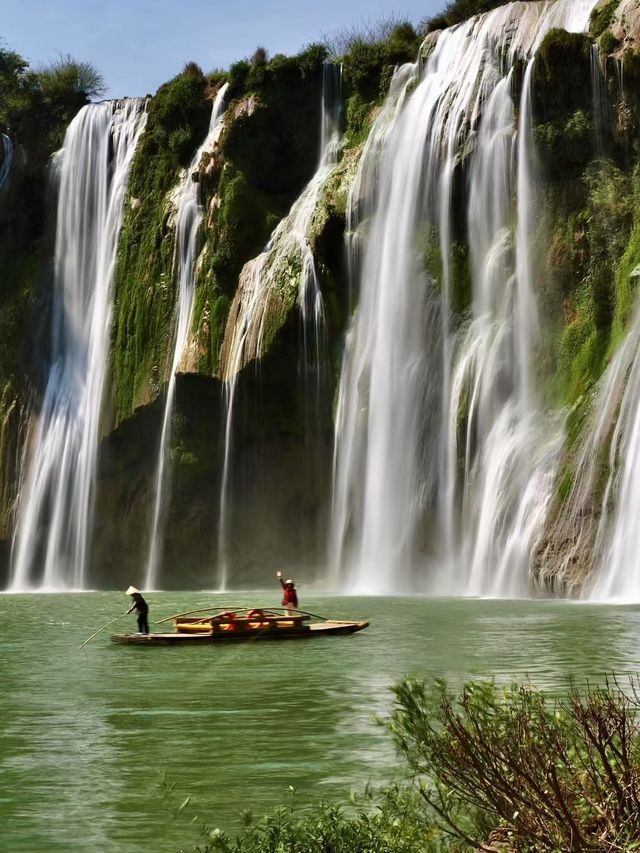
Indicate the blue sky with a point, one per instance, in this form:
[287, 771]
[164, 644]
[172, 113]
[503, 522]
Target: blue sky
[139, 44]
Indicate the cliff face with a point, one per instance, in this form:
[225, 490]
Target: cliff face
[266, 152]
[282, 436]
[586, 111]
[585, 252]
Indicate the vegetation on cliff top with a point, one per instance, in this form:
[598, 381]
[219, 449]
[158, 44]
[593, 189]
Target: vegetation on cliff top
[458, 11]
[35, 108]
[37, 105]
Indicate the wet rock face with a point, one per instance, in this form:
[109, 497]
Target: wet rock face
[278, 493]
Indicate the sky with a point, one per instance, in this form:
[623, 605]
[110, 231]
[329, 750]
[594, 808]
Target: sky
[139, 44]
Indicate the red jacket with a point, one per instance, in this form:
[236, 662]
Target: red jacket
[290, 597]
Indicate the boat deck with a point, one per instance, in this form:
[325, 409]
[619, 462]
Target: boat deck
[331, 627]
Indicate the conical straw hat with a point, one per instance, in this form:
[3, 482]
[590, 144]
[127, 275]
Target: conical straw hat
[131, 590]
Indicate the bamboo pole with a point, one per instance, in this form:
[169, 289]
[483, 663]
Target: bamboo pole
[202, 610]
[230, 609]
[103, 627]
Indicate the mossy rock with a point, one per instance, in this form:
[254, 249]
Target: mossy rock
[241, 229]
[460, 290]
[602, 17]
[608, 42]
[25, 288]
[177, 121]
[562, 76]
[144, 304]
[565, 145]
[276, 143]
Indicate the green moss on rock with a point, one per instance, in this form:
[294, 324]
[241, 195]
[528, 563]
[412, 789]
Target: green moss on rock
[591, 254]
[562, 76]
[608, 42]
[602, 17]
[178, 117]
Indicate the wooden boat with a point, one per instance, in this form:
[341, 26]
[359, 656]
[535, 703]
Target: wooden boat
[237, 624]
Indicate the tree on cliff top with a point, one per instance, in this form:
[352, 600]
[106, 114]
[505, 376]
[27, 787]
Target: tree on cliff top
[37, 105]
[65, 77]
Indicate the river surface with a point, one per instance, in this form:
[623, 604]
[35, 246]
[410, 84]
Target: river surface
[87, 736]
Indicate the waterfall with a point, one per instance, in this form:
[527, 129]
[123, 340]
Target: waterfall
[599, 96]
[55, 510]
[619, 575]
[7, 158]
[443, 457]
[286, 261]
[188, 218]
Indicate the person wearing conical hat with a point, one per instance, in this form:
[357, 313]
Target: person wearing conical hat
[290, 596]
[142, 607]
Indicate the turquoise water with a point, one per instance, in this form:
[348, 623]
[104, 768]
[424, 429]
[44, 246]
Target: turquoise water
[86, 734]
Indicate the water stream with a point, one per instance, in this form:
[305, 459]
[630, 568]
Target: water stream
[55, 513]
[188, 218]
[7, 159]
[444, 461]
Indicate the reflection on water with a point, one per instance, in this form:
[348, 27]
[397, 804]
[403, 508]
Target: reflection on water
[87, 732]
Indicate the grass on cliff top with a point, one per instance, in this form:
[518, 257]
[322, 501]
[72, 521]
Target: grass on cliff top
[368, 55]
[503, 766]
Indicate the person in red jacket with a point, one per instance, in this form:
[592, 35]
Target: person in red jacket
[290, 596]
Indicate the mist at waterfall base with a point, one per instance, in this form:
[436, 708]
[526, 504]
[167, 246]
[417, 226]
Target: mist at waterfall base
[445, 455]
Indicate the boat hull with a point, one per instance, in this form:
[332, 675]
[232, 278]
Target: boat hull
[304, 632]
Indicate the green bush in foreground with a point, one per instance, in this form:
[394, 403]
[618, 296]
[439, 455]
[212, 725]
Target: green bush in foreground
[493, 769]
[388, 822]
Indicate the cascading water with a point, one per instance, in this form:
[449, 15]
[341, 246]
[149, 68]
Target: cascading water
[7, 158]
[55, 511]
[440, 443]
[619, 575]
[598, 95]
[260, 292]
[188, 218]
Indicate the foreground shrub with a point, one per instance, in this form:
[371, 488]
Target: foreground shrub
[493, 769]
[549, 776]
[389, 822]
